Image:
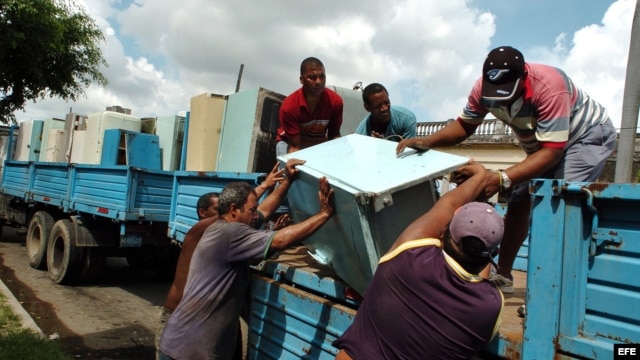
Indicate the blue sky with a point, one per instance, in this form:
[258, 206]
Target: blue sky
[547, 19]
[426, 52]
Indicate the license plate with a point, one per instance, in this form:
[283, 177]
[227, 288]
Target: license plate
[131, 240]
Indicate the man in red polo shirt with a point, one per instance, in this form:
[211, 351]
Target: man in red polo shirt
[310, 115]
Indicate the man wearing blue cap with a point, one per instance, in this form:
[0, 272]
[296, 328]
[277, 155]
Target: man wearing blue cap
[564, 132]
[429, 297]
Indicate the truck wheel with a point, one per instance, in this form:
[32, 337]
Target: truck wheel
[93, 261]
[64, 258]
[37, 235]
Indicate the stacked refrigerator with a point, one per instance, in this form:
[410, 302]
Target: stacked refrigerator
[170, 131]
[203, 134]
[93, 133]
[72, 122]
[249, 131]
[52, 135]
[29, 141]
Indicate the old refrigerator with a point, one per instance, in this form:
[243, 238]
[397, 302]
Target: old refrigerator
[72, 123]
[353, 110]
[203, 134]
[249, 131]
[52, 135]
[132, 148]
[170, 130]
[29, 141]
[95, 126]
[377, 194]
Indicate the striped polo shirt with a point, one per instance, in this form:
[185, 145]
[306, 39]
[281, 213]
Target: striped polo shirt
[552, 111]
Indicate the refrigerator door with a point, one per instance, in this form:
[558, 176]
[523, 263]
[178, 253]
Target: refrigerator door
[54, 145]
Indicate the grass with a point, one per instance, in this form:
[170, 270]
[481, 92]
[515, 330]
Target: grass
[18, 343]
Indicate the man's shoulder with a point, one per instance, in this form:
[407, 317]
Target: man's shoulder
[545, 73]
[362, 125]
[334, 97]
[222, 225]
[201, 225]
[402, 110]
[540, 67]
[293, 97]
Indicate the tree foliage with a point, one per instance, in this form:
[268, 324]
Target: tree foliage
[48, 48]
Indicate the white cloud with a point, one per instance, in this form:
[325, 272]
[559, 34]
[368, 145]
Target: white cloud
[427, 53]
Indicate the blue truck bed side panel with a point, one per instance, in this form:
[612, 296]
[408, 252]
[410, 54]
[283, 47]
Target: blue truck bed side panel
[115, 192]
[153, 192]
[304, 328]
[298, 307]
[122, 192]
[188, 186]
[16, 179]
[51, 184]
[583, 290]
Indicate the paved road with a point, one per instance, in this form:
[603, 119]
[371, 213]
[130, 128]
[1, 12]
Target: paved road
[113, 318]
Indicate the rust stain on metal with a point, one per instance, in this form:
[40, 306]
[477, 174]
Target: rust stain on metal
[513, 344]
[595, 187]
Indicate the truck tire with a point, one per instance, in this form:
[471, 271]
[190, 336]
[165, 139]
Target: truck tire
[36, 242]
[64, 258]
[93, 260]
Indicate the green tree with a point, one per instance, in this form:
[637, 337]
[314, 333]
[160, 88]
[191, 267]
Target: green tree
[48, 48]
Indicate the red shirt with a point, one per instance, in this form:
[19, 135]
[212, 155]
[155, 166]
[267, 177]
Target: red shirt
[314, 128]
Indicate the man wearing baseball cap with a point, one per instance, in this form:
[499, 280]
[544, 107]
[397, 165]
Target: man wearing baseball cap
[429, 297]
[564, 132]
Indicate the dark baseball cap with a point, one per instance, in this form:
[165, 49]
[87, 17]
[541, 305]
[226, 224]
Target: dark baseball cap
[501, 73]
[479, 220]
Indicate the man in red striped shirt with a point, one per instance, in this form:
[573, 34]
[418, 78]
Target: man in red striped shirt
[565, 133]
